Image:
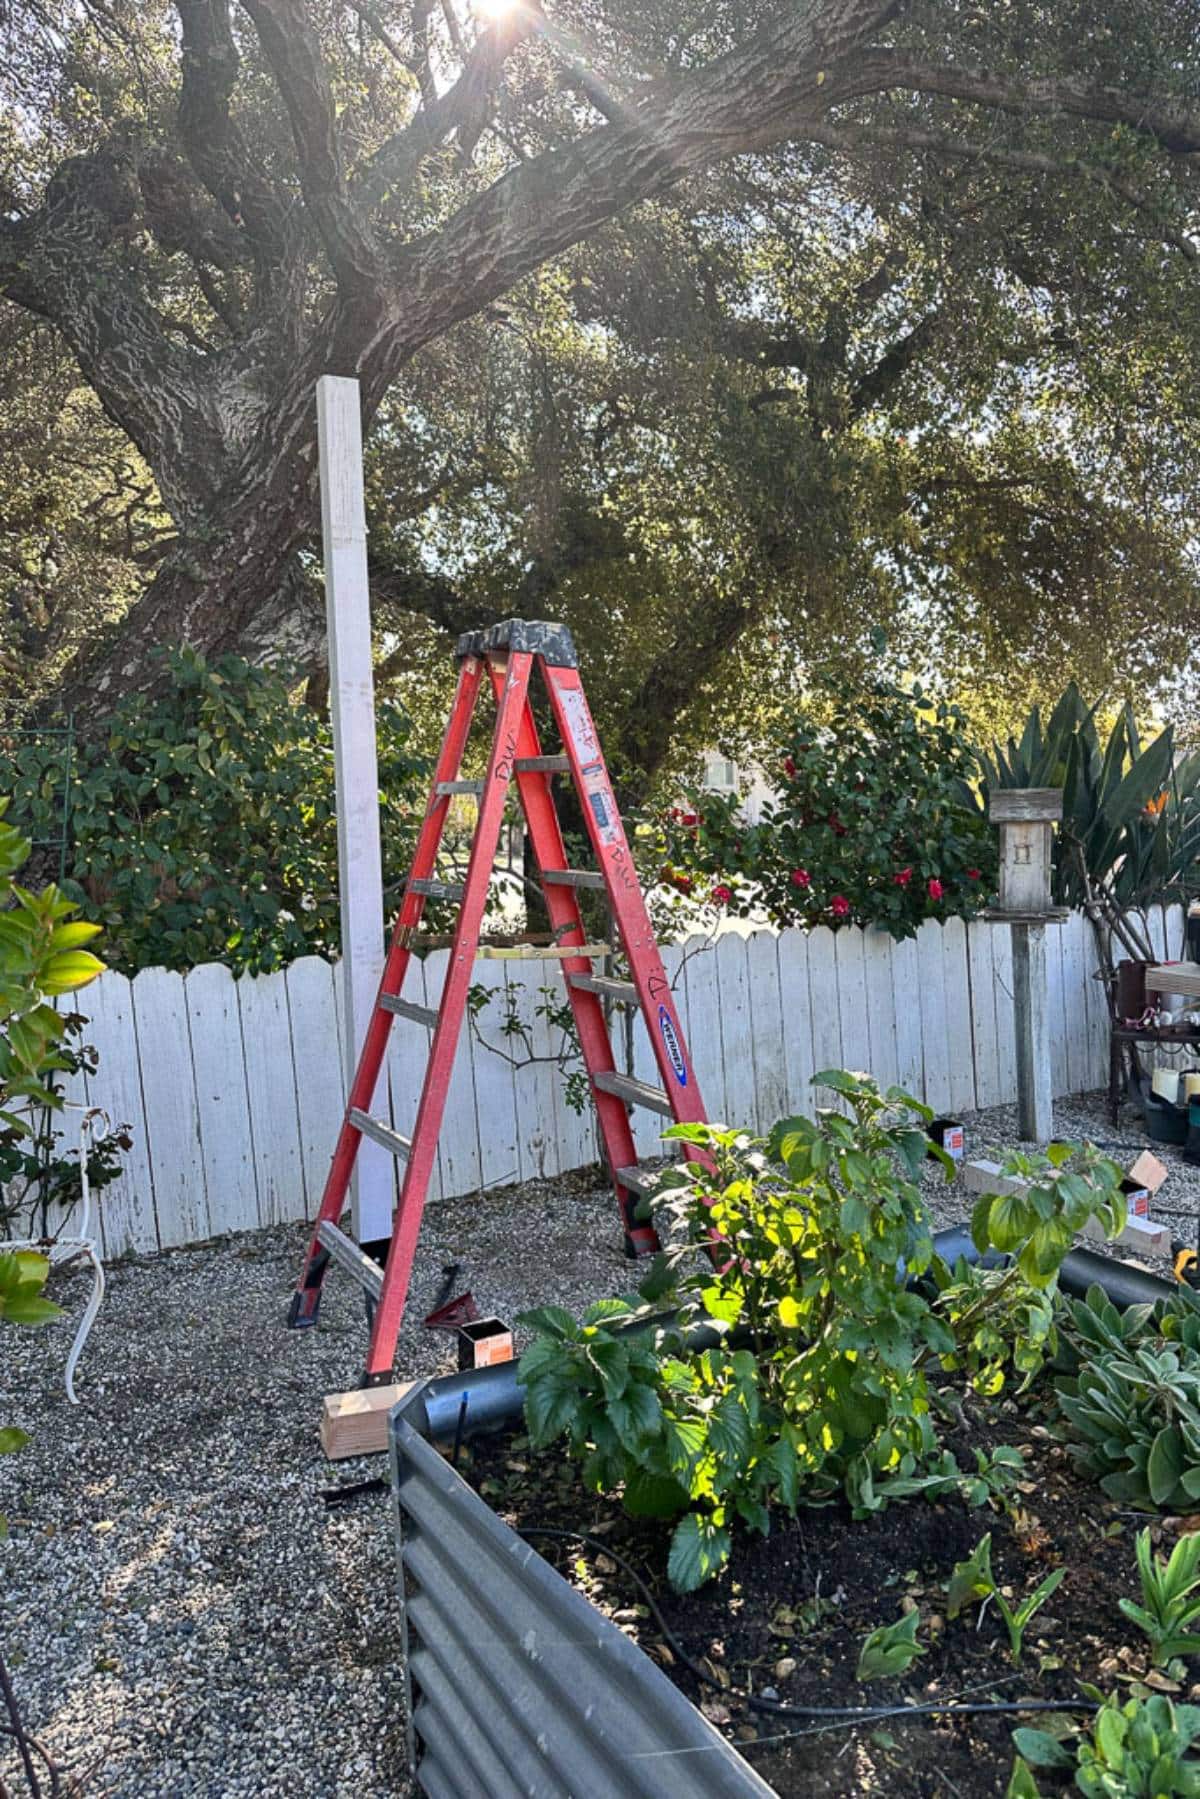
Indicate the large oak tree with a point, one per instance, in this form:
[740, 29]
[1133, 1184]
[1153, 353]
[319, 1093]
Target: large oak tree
[213, 205]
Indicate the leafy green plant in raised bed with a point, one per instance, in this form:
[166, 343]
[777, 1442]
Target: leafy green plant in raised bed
[1170, 1610]
[890, 1648]
[803, 1255]
[1135, 1749]
[973, 1580]
[1130, 1411]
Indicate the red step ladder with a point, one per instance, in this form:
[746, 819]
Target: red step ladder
[506, 656]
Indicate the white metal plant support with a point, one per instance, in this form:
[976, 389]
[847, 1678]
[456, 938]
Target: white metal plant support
[59, 1251]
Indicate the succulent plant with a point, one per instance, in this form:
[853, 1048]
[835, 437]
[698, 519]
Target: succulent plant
[1131, 1407]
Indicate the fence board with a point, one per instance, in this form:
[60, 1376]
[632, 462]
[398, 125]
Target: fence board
[126, 1205]
[1056, 1008]
[172, 1114]
[704, 1022]
[935, 1048]
[797, 1021]
[737, 1027]
[823, 995]
[766, 1015]
[881, 1007]
[458, 1141]
[495, 1093]
[958, 1016]
[988, 1088]
[218, 1057]
[906, 994]
[271, 1094]
[852, 1000]
[316, 1069]
[1075, 1000]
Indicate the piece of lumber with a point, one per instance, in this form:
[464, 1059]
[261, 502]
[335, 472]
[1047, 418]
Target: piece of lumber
[1143, 1234]
[356, 1423]
[1174, 977]
[1025, 805]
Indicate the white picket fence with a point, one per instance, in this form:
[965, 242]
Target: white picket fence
[233, 1088]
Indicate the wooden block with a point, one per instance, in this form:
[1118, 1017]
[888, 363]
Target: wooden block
[1022, 805]
[1142, 1234]
[1174, 977]
[356, 1423]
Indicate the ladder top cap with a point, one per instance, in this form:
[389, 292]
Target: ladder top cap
[538, 636]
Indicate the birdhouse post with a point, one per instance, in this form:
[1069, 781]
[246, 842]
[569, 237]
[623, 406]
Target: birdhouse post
[1026, 817]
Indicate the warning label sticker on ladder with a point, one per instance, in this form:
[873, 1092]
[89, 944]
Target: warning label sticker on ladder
[586, 744]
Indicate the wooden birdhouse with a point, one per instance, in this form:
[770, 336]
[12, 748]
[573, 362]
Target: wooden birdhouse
[1025, 816]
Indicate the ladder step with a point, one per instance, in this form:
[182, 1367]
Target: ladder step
[345, 1252]
[573, 877]
[459, 787]
[637, 1093]
[408, 1008]
[378, 1132]
[604, 983]
[531, 952]
[542, 765]
[640, 1180]
[443, 890]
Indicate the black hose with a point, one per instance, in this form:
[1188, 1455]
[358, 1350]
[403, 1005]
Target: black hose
[848, 1714]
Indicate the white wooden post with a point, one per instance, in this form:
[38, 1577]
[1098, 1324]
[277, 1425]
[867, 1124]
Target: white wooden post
[356, 765]
[1025, 817]
[1035, 1088]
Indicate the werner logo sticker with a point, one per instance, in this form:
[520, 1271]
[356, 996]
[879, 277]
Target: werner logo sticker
[671, 1040]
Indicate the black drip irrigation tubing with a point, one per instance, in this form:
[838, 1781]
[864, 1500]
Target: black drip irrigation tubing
[846, 1715]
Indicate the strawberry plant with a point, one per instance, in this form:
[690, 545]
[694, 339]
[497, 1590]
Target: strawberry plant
[805, 1258]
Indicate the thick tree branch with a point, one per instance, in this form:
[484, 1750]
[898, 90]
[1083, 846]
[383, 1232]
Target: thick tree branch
[1173, 123]
[857, 140]
[293, 50]
[462, 109]
[776, 86]
[208, 74]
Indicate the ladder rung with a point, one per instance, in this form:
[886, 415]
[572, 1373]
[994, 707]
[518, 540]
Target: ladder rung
[346, 1253]
[408, 1008]
[637, 1093]
[531, 952]
[443, 890]
[378, 1132]
[573, 877]
[542, 765]
[640, 1180]
[459, 787]
[604, 983]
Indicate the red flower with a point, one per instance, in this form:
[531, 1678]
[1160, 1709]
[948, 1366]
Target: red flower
[721, 896]
[838, 828]
[840, 905]
[902, 877]
[973, 874]
[936, 890]
[789, 768]
[801, 878]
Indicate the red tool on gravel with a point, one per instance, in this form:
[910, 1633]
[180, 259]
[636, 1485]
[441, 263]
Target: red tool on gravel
[505, 657]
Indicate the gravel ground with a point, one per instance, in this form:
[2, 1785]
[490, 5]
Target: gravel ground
[179, 1610]
[176, 1604]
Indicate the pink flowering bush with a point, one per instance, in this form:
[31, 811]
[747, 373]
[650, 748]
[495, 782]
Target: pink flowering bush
[872, 820]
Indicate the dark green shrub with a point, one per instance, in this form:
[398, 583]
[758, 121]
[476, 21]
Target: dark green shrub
[202, 823]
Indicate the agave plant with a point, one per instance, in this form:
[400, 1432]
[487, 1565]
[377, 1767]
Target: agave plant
[1131, 813]
[1131, 1411]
